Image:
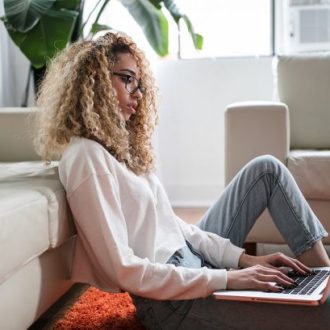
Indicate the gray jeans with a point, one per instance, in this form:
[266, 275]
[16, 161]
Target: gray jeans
[262, 183]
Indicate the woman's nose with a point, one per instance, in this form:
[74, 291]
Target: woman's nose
[137, 94]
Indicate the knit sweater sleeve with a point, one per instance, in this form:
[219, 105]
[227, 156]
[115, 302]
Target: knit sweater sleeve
[96, 208]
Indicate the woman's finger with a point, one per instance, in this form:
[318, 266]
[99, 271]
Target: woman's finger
[278, 279]
[276, 275]
[267, 274]
[301, 265]
[268, 286]
[280, 260]
[293, 263]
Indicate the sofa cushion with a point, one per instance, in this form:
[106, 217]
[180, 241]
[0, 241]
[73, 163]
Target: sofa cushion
[23, 229]
[34, 215]
[16, 125]
[303, 84]
[311, 169]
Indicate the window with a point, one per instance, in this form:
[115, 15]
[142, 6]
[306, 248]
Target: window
[236, 27]
[229, 27]
[303, 26]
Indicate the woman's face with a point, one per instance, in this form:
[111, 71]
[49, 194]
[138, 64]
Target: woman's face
[125, 79]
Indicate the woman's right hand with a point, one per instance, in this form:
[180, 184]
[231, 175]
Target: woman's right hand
[258, 278]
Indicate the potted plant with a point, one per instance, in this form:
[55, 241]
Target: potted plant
[40, 28]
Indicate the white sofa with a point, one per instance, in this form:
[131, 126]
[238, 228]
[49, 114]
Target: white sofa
[296, 130]
[36, 231]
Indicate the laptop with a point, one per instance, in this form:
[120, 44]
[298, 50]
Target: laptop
[312, 290]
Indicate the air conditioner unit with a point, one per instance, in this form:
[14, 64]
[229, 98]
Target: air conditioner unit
[309, 28]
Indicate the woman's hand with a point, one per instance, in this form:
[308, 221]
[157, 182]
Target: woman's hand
[258, 278]
[275, 261]
[268, 273]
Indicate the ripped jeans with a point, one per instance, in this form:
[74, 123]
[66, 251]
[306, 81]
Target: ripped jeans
[263, 183]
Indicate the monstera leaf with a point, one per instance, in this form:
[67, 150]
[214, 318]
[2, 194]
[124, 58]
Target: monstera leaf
[177, 15]
[41, 28]
[41, 33]
[23, 15]
[152, 21]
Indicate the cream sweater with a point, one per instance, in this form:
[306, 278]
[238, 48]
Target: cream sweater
[127, 230]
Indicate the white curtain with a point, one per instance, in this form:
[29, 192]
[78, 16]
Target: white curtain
[14, 69]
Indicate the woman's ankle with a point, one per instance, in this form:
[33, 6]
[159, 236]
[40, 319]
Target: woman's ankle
[316, 256]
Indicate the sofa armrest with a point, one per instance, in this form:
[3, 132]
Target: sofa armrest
[16, 142]
[252, 129]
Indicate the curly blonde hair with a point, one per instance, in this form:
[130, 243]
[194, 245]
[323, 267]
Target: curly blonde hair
[77, 98]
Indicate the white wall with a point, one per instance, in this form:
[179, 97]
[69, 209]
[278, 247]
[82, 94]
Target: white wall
[190, 136]
[193, 97]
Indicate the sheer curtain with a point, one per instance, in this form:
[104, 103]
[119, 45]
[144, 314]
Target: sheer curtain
[14, 69]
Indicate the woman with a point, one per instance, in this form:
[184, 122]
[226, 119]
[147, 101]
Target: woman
[98, 113]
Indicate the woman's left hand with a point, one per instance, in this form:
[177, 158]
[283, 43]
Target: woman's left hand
[276, 260]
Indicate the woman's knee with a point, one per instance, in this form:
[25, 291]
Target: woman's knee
[266, 164]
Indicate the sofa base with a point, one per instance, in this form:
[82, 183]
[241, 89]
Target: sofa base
[35, 287]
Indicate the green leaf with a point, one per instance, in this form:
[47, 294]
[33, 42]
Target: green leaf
[23, 15]
[177, 14]
[173, 9]
[50, 35]
[197, 38]
[96, 27]
[199, 41]
[156, 3]
[67, 4]
[152, 21]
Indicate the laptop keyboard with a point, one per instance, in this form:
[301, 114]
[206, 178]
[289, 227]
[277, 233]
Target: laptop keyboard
[307, 284]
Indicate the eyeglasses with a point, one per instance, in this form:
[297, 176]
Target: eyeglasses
[131, 83]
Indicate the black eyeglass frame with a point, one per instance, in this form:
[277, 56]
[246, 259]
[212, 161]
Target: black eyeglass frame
[125, 75]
